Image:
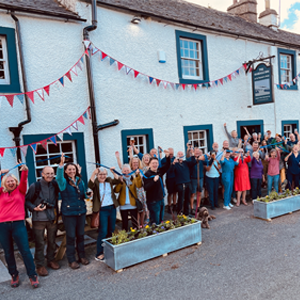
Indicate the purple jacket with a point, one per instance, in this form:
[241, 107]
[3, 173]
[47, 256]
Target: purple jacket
[256, 169]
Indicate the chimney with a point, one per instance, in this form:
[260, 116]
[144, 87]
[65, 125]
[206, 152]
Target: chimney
[269, 17]
[246, 9]
[68, 5]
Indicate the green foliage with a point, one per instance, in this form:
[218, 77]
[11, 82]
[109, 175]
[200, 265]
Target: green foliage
[134, 234]
[275, 196]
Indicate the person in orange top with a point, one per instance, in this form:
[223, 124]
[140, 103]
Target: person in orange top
[12, 225]
[241, 177]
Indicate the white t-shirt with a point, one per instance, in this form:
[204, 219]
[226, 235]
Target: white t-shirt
[105, 194]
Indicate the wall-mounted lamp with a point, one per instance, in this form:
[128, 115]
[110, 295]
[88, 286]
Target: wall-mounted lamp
[136, 20]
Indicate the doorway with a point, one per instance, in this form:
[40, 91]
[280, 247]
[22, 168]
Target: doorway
[252, 126]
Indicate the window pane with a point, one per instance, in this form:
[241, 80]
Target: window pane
[1, 65]
[57, 160]
[189, 136]
[186, 44]
[192, 54]
[2, 76]
[53, 149]
[1, 54]
[186, 53]
[195, 135]
[141, 140]
[66, 147]
[39, 161]
[142, 150]
[40, 150]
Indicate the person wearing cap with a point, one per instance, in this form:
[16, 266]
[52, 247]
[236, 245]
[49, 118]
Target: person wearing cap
[228, 165]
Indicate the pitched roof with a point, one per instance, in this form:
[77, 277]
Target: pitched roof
[43, 7]
[202, 17]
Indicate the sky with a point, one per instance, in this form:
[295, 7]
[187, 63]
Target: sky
[290, 11]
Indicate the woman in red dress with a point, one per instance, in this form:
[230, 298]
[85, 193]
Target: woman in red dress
[241, 178]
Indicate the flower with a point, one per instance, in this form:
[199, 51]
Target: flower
[184, 216]
[132, 230]
[147, 226]
[167, 222]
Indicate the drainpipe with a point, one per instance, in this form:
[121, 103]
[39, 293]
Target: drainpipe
[86, 36]
[17, 130]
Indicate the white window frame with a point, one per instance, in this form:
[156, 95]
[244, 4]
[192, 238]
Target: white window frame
[48, 162]
[191, 138]
[6, 80]
[197, 60]
[287, 129]
[137, 144]
[287, 69]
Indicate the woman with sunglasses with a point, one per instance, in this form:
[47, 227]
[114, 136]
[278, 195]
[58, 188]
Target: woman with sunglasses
[104, 202]
[73, 210]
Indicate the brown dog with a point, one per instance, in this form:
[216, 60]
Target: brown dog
[204, 216]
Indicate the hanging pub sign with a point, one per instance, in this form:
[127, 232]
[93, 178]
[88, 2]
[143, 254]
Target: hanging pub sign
[262, 84]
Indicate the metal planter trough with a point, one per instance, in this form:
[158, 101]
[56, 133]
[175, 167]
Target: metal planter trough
[124, 255]
[269, 210]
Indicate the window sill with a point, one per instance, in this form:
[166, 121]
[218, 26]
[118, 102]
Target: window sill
[192, 81]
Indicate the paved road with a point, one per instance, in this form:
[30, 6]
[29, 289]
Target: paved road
[240, 258]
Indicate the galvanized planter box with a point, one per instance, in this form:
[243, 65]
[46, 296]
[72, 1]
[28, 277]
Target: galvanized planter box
[269, 210]
[124, 255]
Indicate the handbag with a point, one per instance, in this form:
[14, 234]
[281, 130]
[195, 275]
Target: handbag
[139, 204]
[95, 223]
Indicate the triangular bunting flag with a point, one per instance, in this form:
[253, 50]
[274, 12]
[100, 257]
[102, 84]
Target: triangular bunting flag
[53, 140]
[34, 147]
[86, 43]
[183, 86]
[41, 94]
[195, 86]
[2, 150]
[229, 77]
[60, 135]
[225, 79]
[177, 86]
[31, 96]
[10, 99]
[68, 75]
[44, 144]
[24, 150]
[172, 85]
[75, 126]
[158, 82]
[61, 80]
[79, 65]
[21, 98]
[86, 52]
[68, 130]
[13, 151]
[111, 61]
[245, 66]
[74, 70]
[47, 89]
[81, 60]
[85, 115]
[237, 72]
[165, 83]
[216, 82]
[136, 73]
[81, 120]
[128, 70]
[120, 65]
[95, 50]
[103, 56]
[221, 81]
[151, 79]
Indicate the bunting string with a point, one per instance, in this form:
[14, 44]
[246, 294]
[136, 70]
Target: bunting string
[34, 146]
[45, 90]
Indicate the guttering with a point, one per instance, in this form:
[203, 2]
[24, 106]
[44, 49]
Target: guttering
[86, 36]
[17, 130]
[107, 125]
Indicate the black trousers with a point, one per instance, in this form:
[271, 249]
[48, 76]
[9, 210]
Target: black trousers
[133, 214]
[39, 228]
[184, 195]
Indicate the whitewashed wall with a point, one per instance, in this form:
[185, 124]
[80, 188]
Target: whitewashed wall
[52, 46]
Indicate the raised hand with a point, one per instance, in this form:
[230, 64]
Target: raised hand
[62, 159]
[79, 168]
[166, 153]
[224, 124]
[23, 167]
[117, 154]
[156, 178]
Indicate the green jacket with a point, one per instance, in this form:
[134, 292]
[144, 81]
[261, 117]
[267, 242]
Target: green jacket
[94, 186]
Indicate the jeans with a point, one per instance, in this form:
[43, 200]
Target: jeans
[184, 196]
[133, 214]
[272, 179]
[293, 177]
[107, 223]
[16, 231]
[256, 187]
[38, 228]
[74, 226]
[212, 184]
[157, 211]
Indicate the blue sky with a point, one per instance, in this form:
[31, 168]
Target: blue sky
[293, 17]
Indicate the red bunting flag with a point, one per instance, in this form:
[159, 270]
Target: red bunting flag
[245, 66]
[31, 96]
[229, 77]
[47, 89]
[120, 65]
[68, 75]
[104, 55]
[86, 52]
[81, 120]
[158, 81]
[195, 86]
[183, 86]
[221, 80]
[136, 73]
[44, 144]
[2, 151]
[10, 99]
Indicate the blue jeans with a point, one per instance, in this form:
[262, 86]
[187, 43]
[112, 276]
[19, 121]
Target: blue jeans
[212, 185]
[107, 222]
[74, 226]
[272, 179]
[256, 187]
[157, 211]
[16, 231]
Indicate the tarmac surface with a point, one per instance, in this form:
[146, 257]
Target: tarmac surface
[240, 258]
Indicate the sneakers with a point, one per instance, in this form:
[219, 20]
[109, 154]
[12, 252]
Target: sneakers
[34, 281]
[234, 200]
[226, 207]
[14, 281]
[230, 205]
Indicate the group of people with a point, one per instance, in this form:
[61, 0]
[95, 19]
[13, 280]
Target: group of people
[139, 191]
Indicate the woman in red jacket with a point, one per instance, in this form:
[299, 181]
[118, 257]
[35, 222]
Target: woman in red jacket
[12, 225]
